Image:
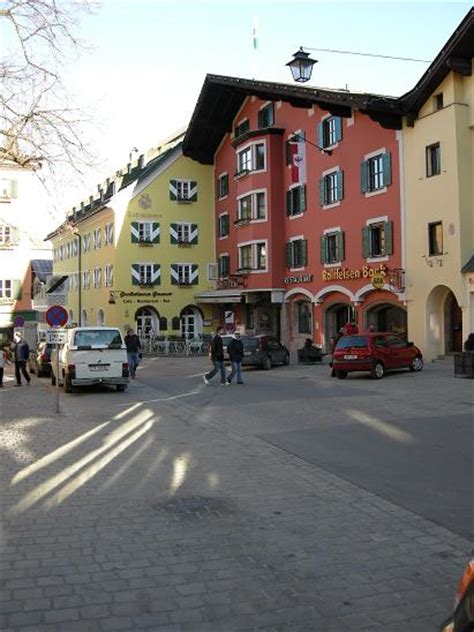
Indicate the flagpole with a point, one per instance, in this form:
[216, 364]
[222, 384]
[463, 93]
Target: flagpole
[255, 46]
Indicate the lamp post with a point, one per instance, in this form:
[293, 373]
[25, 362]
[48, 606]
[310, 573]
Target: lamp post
[301, 66]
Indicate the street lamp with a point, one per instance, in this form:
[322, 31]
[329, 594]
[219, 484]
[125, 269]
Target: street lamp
[301, 66]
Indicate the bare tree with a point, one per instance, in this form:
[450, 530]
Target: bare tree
[38, 124]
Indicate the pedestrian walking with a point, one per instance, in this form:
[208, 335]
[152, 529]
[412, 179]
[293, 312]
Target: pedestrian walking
[217, 357]
[235, 349]
[132, 342]
[3, 364]
[20, 353]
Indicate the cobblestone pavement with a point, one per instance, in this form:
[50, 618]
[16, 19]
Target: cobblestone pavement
[156, 509]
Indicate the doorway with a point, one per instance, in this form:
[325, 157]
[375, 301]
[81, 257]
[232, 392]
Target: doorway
[453, 324]
[191, 322]
[147, 322]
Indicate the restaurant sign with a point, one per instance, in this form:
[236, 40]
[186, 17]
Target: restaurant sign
[351, 274]
[299, 278]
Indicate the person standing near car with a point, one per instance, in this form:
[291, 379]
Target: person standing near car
[216, 351]
[20, 353]
[235, 349]
[132, 342]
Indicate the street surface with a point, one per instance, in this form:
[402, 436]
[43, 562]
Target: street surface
[293, 503]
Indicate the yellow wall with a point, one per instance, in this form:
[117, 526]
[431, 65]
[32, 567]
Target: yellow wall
[148, 200]
[447, 197]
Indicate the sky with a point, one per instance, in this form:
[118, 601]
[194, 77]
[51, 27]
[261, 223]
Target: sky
[146, 60]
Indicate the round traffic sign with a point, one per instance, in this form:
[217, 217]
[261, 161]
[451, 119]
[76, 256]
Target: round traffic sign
[56, 316]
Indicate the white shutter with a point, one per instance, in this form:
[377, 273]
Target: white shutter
[212, 271]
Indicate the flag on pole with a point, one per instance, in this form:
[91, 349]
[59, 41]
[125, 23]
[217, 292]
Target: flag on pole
[298, 161]
[254, 33]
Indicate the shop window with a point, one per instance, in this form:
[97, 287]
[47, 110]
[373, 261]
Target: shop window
[433, 160]
[435, 238]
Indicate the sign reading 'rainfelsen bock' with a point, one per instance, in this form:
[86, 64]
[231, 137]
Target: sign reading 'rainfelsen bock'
[350, 274]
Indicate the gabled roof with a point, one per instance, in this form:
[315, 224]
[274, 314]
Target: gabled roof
[222, 97]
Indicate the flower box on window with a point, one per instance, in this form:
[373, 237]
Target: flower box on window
[183, 283]
[184, 243]
[241, 174]
[145, 241]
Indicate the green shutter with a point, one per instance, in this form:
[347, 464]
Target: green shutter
[338, 120]
[194, 234]
[289, 254]
[17, 289]
[174, 268]
[320, 135]
[194, 277]
[322, 254]
[288, 155]
[136, 276]
[289, 203]
[260, 119]
[340, 246]
[364, 176]
[194, 196]
[155, 229]
[340, 185]
[388, 233]
[387, 169]
[302, 198]
[173, 190]
[173, 233]
[365, 242]
[322, 192]
[304, 252]
[134, 233]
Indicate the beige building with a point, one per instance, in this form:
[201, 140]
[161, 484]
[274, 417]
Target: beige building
[438, 176]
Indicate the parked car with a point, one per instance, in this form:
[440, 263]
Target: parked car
[40, 360]
[462, 618]
[91, 355]
[375, 352]
[264, 351]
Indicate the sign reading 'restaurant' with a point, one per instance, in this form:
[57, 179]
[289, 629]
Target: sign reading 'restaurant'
[349, 274]
[299, 278]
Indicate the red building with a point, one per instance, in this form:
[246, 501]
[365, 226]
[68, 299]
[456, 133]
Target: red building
[307, 207]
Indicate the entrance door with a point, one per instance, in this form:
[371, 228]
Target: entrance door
[454, 324]
[188, 324]
[147, 322]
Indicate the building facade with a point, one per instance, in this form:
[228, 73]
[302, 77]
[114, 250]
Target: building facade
[308, 210]
[24, 258]
[137, 253]
[438, 146]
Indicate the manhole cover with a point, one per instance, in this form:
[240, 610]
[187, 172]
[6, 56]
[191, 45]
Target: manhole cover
[198, 506]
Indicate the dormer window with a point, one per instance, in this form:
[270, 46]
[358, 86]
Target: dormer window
[266, 116]
[241, 128]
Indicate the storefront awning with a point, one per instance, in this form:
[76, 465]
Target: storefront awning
[219, 296]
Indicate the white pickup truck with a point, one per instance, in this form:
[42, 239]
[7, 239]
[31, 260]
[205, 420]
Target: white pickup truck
[91, 355]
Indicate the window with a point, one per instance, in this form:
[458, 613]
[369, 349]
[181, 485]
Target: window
[377, 239]
[242, 128]
[145, 232]
[261, 258]
[438, 102]
[224, 266]
[433, 160]
[183, 190]
[253, 256]
[297, 253]
[252, 158]
[97, 238]
[266, 116]
[332, 247]
[435, 238]
[86, 243]
[376, 173]
[5, 235]
[296, 200]
[86, 279]
[8, 189]
[245, 257]
[146, 274]
[6, 288]
[109, 275]
[331, 188]
[184, 273]
[223, 186]
[184, 233]
[303, 317]
[109, 234]
[223, 225]
[329, 131]
[97, 277]
[252, 207]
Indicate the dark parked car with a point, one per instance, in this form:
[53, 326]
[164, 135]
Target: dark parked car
[375, 352]
[40, 360]
[264, 351]
[462, 619]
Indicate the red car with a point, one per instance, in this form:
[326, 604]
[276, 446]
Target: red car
[375, 352]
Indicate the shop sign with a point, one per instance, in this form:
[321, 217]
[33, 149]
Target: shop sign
[229, 283]
[140, 297]
[351, 274]
[378, 280]
[299, 278]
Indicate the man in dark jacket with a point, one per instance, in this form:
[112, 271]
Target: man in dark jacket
[235, 349]
[132, 342]
[20, 354]
[216, 352]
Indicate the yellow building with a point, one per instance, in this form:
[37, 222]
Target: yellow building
[140, 249]
[438, 176]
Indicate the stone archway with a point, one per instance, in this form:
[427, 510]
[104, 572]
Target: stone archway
[147, 322]
[191, 322]
[443, 322]
[386, 317]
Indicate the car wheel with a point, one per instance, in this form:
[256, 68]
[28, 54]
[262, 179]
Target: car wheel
[286, 359]
[121, 387]
[416, 364]
[341, 374]
[53, 379]
[378, 371]
[267, 363]
[67, 384]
